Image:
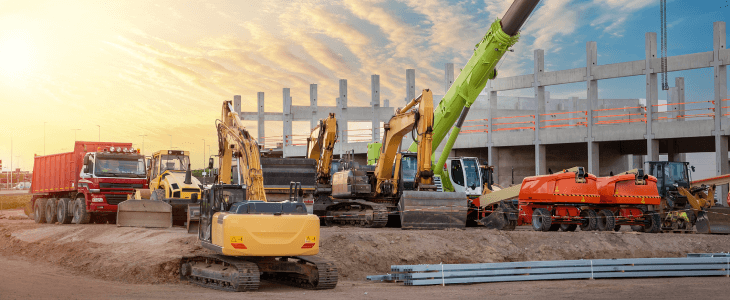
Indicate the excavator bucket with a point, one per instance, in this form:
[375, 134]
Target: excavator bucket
[193, 220]
[432, 210]
[713, 220]
[144, 213]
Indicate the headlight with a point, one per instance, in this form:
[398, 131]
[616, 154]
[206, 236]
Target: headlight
[97, 200]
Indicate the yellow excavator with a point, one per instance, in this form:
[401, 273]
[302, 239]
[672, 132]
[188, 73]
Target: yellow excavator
[400, 184]
[320, 147]
[253, 239]
[172, 191]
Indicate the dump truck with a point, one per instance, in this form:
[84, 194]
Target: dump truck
[85, 184]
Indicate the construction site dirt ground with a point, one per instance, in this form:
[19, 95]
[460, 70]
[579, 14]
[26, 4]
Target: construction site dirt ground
[103, 260]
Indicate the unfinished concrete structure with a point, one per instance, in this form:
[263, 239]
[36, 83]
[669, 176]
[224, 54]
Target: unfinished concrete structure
[528, 136]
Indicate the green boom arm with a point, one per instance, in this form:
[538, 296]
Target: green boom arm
[466, 88]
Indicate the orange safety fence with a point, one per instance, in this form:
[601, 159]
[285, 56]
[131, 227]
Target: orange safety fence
[565, 125]
[623, 115]
[476, 120]
[619, 108]
[671, 104]
[567, 112]
[474, 131]
[687, 116]
[619, 121]
[514, 128]
[568, 119]
[481, 125]
[512, 123]
[525, 116]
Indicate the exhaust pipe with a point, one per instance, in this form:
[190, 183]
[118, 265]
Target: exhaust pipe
[188, 176]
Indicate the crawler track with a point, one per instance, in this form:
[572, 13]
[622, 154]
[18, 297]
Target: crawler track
[358, 213]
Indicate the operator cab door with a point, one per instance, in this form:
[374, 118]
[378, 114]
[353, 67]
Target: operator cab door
[465, 175]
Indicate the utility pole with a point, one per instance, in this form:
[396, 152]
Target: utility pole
[75, 130]
[99, 132]
[44, 138]
[143, 135]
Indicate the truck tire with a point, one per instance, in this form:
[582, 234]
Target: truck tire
[51, 211]
[81, 216]
[541, 219]
[654, 222]
[606, 220]
[39, 210]
[589, 220]
[62, 211]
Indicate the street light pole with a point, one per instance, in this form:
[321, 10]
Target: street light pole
[99, 132]
[75, 130]
[143, 135]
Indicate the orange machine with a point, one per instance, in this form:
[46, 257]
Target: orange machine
[555, 201]
[626, 199]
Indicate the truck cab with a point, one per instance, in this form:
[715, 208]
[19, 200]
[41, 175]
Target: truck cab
[465, 175]
[110, 174]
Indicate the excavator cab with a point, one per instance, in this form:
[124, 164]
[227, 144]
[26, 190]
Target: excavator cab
[671, 176]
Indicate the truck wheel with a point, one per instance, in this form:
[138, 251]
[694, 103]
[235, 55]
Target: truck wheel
[62, 211]
[81, 216]
[588, 222]
[554, 227]
[606, 220]
[39, 210]
[51, 211]
[541, 220]
[617, 228]
[568, 227]
[654, 222]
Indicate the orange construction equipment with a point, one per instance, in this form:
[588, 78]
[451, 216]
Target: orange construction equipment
[626, 199]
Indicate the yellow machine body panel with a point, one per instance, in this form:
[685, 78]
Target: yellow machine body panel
[265, 234]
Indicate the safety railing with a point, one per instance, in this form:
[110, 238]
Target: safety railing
[616, 117]
[724, 102]
[519, 124]
[550, 119]
[474, 126]
[673, 111]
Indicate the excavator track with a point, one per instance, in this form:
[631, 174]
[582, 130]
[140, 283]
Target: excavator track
[220, 273]
[358, 213]
[308, 272]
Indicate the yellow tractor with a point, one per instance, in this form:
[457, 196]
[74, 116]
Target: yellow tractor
[172, 192]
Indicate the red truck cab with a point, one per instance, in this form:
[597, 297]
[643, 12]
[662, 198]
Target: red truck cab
[86, 184]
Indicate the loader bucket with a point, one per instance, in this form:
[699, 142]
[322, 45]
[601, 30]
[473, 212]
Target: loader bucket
[713, 220]
[432, 210]
[144, 213]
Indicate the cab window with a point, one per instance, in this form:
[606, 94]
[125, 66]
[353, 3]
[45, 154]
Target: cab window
[457, 173]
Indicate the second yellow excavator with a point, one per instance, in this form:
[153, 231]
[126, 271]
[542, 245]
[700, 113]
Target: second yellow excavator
[400, 184]
[253, 239]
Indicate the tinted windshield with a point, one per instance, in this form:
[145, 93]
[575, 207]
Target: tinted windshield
[675, 172]
[408, 168]
[471, 168]
[174, 162]
[120, 167]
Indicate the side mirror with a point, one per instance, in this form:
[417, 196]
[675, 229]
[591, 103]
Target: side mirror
[693, 168]
[86, 160]
[210, 163]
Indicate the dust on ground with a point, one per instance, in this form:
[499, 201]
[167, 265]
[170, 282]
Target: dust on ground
[139, 255]
[13, 201]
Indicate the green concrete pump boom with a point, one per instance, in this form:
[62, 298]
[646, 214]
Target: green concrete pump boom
[454, 106]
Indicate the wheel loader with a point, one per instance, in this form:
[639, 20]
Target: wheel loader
[173, 191]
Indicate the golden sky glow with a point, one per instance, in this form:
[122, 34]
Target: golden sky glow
[162, 68]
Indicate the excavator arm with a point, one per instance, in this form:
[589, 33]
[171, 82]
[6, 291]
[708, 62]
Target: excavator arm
[321, 145]
[236, 144]
[404, 121]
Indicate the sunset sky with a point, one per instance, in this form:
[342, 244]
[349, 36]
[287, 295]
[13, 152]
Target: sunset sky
[163, 68]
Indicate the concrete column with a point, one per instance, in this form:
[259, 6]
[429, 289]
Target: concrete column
[313, 105]
[540, 162]
[574, 107]
[652, 146]
[410, 85]
[679, 83]
[591, 102]
[448, 77]
[672, 154]
[342, 117]
[375, 103]
[721, 139]
[493, 158]
[237, 104]
[672, 110]
[261, 117]
[287, 116]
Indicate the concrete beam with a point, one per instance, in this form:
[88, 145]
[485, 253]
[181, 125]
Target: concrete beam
[448, 77]
[375, 103]
[410, 85]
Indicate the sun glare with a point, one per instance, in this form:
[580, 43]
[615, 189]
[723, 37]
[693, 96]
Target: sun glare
[16, 54]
